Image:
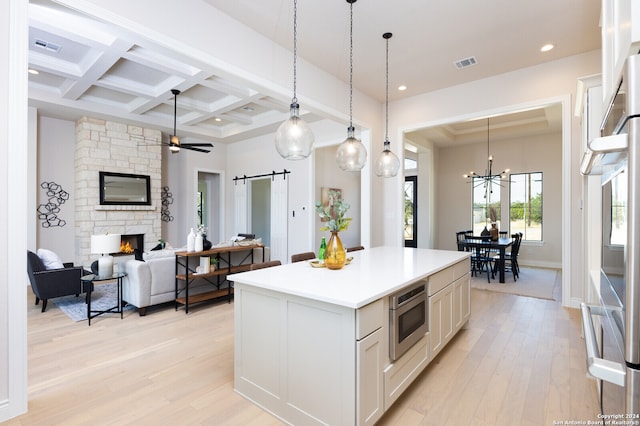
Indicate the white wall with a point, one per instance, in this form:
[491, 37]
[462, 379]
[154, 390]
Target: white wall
[180, 174]
[56, 163]
[328, 175]
[258, 156]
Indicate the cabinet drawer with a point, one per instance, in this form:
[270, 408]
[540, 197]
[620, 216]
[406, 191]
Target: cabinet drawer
[369, 318]
[440, 280]
[461, 268]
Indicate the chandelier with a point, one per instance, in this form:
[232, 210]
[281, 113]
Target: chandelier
[489, 178]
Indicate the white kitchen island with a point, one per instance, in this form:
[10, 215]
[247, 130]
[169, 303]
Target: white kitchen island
[312, 344]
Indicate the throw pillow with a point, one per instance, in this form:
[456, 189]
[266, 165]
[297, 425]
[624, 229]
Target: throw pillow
[50, 259]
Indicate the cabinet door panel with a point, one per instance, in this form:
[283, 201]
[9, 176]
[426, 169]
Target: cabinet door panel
[461, 301]
[371, 359]
[440, 319]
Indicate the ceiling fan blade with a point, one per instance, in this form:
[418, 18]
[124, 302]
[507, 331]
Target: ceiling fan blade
[197, 144]
[192, 148]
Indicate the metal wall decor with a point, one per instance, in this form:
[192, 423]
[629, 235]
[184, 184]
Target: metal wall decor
[48, 212]
[167, 199]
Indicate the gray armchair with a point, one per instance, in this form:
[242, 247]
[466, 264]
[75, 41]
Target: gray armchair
[49, 283]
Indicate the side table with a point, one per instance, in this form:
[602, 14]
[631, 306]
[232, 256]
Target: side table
[90, 279]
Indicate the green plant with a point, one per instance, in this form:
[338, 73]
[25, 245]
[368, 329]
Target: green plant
[334, 214]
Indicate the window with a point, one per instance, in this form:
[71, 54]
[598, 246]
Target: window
[486, 203]
[410, 211]
[525, 209]
[410, 164]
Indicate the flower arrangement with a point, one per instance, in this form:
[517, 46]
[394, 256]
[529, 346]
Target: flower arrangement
[202, 230]
[334, 213]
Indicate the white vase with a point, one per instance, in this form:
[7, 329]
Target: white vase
[198, 243]
[191, 241]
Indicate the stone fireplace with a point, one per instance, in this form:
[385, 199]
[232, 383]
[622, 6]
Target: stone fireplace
[103, 145]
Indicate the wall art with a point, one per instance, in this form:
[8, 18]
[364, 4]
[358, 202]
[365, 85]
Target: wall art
[48, 212]
[167, 200]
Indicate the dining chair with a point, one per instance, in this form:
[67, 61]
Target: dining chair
[460, 237]
[355, 248]
[481, 257]
[299, 257]
[511, 258]
[262, 265]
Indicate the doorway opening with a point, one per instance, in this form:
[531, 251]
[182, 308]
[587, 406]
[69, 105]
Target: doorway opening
[260, 209]
[208, 205]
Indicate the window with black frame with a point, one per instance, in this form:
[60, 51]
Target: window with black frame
[410, 211]
[525, 205]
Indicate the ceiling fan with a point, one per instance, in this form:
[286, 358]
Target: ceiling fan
[174, 141]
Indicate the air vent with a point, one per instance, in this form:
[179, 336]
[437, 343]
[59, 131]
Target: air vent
[466, 62]
[46, 45]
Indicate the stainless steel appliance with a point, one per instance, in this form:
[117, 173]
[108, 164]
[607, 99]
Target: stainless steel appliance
[613, 344]
[407, 318]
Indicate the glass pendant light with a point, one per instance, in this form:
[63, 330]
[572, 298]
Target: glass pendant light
[388, 163]
[351, 154]
[294, 138]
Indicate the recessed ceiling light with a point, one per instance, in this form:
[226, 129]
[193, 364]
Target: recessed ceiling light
[218, 119]
[547, 47]
[34, 72]
[402, 87]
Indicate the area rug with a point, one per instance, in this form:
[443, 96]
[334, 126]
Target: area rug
[103, 297]
[532, 282]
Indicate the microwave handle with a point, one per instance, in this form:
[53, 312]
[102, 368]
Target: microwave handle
[600, 368]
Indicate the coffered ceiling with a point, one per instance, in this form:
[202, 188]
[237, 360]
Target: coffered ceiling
[89, 67]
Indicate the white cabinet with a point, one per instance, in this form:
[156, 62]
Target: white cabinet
[440, 319]
[620, 38]
[371, 358]
[449, 304]
[461, 301]
[310, 362]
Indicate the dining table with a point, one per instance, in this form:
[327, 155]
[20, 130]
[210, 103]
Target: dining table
[500, 245]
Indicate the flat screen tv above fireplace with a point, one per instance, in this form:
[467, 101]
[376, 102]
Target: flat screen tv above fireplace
[124, 189]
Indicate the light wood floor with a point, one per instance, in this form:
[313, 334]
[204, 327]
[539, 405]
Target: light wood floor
[519, 361]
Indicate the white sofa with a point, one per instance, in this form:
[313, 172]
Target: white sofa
[152, 281]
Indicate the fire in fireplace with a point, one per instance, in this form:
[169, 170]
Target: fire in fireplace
[130, 242]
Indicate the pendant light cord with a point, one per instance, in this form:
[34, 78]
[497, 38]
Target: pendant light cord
[386, 131]
[351, 67]
[488, 150]
[295, 50]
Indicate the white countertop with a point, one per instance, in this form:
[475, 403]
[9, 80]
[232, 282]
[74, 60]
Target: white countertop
[371, 275]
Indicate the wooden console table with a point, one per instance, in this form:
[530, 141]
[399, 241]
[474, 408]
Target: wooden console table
[224, 267]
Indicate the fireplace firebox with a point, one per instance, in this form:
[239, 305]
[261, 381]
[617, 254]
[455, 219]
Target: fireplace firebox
[131, 242]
